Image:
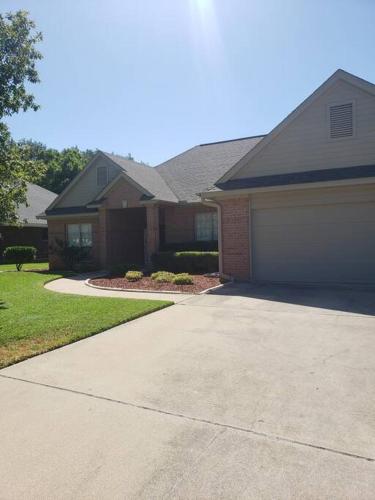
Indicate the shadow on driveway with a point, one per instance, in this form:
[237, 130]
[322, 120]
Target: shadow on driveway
[358, 300]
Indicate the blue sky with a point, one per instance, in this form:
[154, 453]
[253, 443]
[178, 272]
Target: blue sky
[155, 77]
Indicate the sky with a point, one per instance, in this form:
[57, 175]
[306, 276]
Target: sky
[156, 77]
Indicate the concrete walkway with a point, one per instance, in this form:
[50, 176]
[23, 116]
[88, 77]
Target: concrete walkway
[253, 392]
[76, 285]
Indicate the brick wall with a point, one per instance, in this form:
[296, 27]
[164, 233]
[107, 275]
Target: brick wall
[57, 230]
[180, 222]
[121, 191]
[235, 238]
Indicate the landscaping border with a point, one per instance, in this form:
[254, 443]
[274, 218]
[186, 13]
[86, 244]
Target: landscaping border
[115, 289]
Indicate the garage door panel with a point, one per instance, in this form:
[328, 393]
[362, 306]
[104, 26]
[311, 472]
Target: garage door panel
[329, 243]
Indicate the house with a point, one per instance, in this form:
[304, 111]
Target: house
[295, 205]
[32, 230]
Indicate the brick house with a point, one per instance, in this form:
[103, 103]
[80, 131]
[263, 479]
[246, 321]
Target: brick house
[32, 230]
[295, 205]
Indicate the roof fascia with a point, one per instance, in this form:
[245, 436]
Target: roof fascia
[230, 193]
[338, 75]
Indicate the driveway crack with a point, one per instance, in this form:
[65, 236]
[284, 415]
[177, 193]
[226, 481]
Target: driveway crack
[222, 425]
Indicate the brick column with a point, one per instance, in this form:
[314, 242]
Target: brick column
[235, 244]
[103, 238]
[152, 231]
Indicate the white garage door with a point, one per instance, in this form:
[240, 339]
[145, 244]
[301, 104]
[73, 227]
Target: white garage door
[317, 243]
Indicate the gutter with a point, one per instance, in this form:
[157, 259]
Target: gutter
[214, 204]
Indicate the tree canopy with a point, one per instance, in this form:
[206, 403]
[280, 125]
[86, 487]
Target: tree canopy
[18, 58]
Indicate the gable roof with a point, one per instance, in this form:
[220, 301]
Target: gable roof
[38, 199]
[146, 177]
[338, 75]
[192, 171]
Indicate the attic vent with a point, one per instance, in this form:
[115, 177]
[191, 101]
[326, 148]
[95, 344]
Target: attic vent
[341, 120]
[102, 176]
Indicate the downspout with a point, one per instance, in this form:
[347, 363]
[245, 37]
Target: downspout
[214, 204]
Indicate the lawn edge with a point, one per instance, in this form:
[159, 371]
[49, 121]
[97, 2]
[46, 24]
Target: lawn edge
[164, 304]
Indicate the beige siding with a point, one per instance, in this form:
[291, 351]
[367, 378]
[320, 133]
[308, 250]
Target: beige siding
[305, 144]
[86, 189]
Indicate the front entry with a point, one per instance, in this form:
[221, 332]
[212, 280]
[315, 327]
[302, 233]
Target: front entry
[126, 236]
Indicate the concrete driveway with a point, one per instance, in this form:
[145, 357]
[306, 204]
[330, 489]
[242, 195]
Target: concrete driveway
[251, 392]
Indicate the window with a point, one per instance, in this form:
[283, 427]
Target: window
[102, 176]
[44, 234]
[79, 235]
[341, 120]
[206, 226]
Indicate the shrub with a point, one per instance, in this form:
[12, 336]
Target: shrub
[19, 255]
[183, 279]
[74, 258]
[134, 275]
[122, 269]
[162, 277]
[187, 262]
[190, 246]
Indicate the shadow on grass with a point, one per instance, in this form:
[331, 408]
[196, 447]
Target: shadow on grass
[3, 304]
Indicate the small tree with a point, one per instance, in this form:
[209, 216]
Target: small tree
[19, 255]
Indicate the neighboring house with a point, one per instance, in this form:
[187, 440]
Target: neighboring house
[296, 205]
[32, 231]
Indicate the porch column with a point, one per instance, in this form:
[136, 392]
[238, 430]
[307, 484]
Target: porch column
[152, 231]
[103, 238]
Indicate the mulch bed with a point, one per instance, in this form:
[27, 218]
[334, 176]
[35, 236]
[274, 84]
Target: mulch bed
[200, 283]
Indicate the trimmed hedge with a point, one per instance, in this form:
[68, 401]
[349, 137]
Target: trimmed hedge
[183, 279]
[134, 275]
[187, 262]
[19, 255]
[162, 277]
[190, 246]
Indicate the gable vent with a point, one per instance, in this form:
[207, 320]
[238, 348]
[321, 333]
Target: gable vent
[341, 120]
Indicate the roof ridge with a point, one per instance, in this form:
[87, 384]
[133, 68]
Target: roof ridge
[126, 159]
[233, 140]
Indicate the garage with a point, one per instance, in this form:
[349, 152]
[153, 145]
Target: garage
[315, 235]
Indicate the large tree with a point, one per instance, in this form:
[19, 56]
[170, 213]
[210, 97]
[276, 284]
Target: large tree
[59, 167]
[18, 58]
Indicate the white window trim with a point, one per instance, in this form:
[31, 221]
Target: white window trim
[328, 119]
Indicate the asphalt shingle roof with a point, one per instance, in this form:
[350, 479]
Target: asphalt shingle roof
[198, 168]
[189, 173]
[145, 176]
[38, 200]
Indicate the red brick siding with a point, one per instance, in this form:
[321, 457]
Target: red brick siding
[57, 231]
[235, 238]
[180, 222]
[122, 190]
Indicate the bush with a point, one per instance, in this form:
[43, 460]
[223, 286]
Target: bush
[183, 279]
[162, 277]
[74, 258]
[122, 269]
[187, 262]
[134, 275]
[19, 255]
[189, 246]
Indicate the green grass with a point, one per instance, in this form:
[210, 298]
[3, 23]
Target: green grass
[35, 320]
[32, 266]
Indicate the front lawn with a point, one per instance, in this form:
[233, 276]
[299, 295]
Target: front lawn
[35, 320]
[32, 266]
